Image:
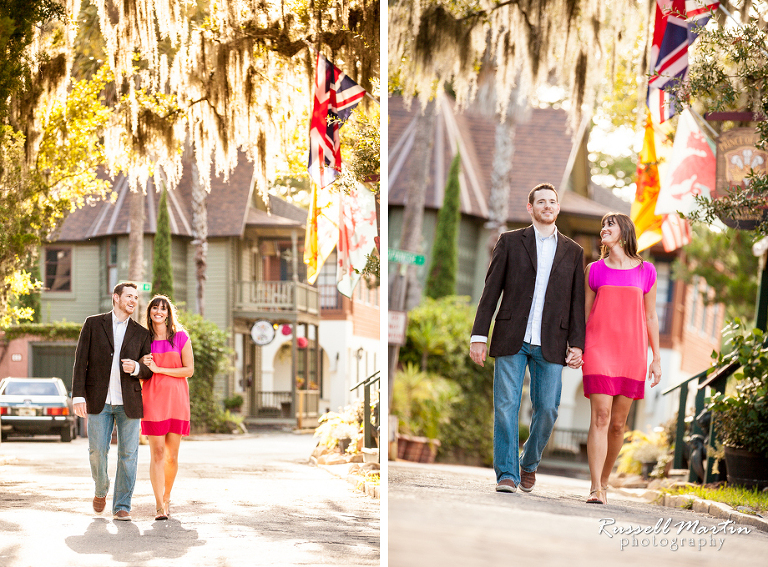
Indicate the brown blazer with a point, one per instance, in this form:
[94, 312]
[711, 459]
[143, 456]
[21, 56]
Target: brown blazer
[512, 275]
[93, 364]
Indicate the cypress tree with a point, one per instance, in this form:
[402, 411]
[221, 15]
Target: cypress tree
[445, 250]
[162, 271]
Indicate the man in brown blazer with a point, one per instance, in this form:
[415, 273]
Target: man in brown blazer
[106, 389]
[539, 275]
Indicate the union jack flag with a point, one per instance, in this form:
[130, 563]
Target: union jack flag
[674, 31]
[336, 95]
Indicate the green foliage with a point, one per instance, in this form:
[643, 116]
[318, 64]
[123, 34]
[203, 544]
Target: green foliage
[728, 73]
[162, 269]
[422, 402]
[741, 417]
[725, 260]
[445, 251]
[441, 327]
[734, 496]
[233, 402]
[210, 345]
[63, 178]
[18, 22]
[56, 331]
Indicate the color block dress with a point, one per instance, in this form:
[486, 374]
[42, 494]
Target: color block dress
[616, 345]
[166, 398]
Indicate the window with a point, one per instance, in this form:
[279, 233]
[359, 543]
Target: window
[694, 301]
[58, 269]
[111, 265]
[705, 296]
[330, 298]
[715, 318]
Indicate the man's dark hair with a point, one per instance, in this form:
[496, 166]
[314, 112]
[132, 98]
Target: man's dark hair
[539, 187]
[122, 285]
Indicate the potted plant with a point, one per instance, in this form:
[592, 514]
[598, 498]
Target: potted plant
[741, 412]
[640, 452]
[234, 403]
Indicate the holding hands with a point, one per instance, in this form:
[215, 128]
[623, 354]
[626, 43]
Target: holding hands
[573, 358]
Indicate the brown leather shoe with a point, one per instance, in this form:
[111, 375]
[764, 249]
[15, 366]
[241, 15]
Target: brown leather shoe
[122, 515]
[506, 485]
[527, 480]
[98, 503]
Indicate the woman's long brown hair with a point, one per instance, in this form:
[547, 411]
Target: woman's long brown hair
[172, 322]
[628, 235]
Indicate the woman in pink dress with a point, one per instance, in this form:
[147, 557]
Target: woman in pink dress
[166, 398]
[621, 322]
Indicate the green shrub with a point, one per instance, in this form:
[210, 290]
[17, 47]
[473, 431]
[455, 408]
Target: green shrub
[211, 349]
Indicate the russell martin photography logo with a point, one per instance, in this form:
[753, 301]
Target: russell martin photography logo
[667, 533]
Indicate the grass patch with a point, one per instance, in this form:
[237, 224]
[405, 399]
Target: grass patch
[734, 496]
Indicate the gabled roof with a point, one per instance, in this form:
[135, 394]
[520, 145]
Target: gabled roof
[542, 150]
[227, 205]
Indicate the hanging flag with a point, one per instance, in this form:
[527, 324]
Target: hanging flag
[322, 230]
[357, 233]
[336, 96]
[691, 170]
[674, 30]
[647, 223]
[675, 232]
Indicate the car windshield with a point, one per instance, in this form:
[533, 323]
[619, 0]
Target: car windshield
[31, 389]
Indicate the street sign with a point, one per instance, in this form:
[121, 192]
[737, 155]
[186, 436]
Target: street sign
[145, 286]
[397, 323]
[404, 257]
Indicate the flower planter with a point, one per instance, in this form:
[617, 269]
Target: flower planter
[417, 449]
[746, 468]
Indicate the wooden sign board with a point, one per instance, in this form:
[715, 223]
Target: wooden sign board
[736, 157]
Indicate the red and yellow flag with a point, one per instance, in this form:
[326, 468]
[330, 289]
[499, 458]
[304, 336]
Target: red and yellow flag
[643, 214]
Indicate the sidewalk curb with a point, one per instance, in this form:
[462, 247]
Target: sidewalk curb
[342, 471]
[699, 505]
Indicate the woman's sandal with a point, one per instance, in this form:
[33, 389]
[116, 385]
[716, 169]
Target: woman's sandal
[605, 494]
[594, 497]
[161, 515]
[167, 508]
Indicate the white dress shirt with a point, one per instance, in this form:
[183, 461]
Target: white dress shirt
[115, 391]
[545, 256]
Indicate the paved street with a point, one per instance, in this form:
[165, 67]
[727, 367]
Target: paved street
[238, 500]
[440, 515]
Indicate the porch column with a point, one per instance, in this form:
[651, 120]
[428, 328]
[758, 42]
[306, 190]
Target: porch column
[295, 255]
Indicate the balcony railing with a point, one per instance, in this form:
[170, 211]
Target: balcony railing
[567, 444]
[278, 404]
[276, 296]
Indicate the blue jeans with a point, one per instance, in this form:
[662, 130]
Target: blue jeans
[99, 437]
[508, 376]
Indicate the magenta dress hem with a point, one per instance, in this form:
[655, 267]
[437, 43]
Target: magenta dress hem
[613, 386]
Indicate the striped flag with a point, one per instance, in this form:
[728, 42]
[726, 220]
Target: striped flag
[674, 30]
[336, 96]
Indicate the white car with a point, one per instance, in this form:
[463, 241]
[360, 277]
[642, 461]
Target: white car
[36, 406]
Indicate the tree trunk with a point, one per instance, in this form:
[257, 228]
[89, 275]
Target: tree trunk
[498, 198]
[413, 216]
[136, 244]
[200, 230]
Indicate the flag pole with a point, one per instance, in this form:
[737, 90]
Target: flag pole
[312, 47]
[701, 120]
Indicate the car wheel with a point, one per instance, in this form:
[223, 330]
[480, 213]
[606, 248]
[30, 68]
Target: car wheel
[66, 434]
